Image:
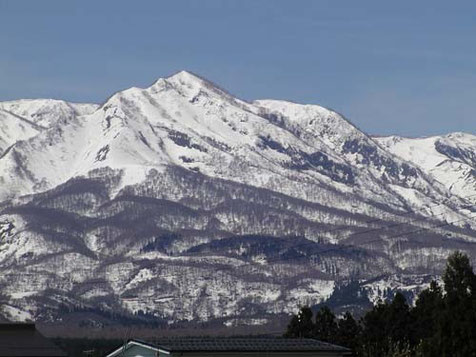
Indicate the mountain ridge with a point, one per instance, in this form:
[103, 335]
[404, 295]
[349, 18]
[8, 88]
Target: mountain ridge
[159, 198]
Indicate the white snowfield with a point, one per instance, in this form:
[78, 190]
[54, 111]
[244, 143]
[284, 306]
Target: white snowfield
[185, 156]
[46, 112]
[186, 121]
[449, 159]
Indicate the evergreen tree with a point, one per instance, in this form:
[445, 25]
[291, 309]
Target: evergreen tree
[374, 336]
[325, 328]
[456, 323]
[442, 323]
[301, 325]
[348, 332]
[425, 314]
[459, 279]
[398, 320]
[387, 325]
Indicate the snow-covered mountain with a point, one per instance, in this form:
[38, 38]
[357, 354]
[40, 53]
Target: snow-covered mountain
[24, 119]
[182, 202]
[46, 112]
[449, 159]
[13, 129]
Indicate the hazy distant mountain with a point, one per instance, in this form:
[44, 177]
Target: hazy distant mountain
[182, 202]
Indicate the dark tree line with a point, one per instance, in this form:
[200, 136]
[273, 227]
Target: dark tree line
[442, 323]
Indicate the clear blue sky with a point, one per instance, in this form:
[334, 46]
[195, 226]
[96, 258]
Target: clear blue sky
[400, 67]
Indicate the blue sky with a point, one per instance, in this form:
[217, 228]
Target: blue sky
[403, 67]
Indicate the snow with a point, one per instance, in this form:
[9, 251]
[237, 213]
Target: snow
[13, 129]
[23, 294]
[413, 284]
[142, 276]
[311, 292]
[245, 322]
[186, 122]
[94, 293]
[16, 314]
[419, 151]
[93, 243]
[457, 176]
[46, 112]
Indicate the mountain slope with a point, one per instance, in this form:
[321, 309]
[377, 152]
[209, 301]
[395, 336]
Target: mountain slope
[182, 202]
[449, 159]
[46, 112]
[14, 128]
[186, 121]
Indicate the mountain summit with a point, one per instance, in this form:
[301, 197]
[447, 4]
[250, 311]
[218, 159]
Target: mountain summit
[182, 202]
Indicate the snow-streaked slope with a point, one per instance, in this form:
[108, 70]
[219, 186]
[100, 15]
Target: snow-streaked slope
[185, 120]
[339, 137]
[14, 128]
[25, 118]
[46, 112]
[20, 158]
[181, 192]
[449, 159]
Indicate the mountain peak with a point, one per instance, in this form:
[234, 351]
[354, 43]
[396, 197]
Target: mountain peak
[185, 75]
[188, 79]
[191, 84]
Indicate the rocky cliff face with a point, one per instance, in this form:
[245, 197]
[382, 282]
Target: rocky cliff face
[179, 202]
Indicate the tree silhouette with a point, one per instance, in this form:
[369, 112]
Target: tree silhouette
[301, 325]
[428, 308]
[348, 331]
[456, 322]
[325, 328]
[441, 324]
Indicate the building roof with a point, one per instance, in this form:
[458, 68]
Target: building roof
[231, 344]
[222, 344]
[23, 340]
[130, 344]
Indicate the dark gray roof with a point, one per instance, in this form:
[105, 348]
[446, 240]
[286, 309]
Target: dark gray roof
[246, 344]
[23, 340]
